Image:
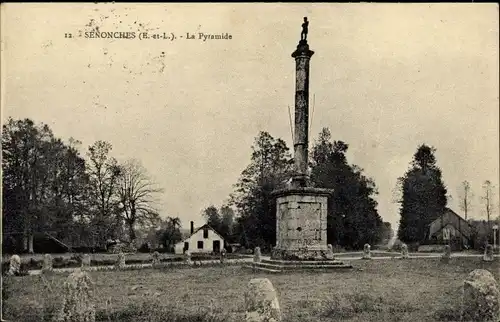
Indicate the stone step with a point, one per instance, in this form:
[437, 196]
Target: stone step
[298, 264]
[263, 269]
[292, 263]
[311, 267]
[301, 266]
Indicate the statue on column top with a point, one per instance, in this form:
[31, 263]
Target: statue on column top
[305, 29]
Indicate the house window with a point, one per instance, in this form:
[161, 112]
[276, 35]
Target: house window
[205, 232]
[200, 244]
[186, 246]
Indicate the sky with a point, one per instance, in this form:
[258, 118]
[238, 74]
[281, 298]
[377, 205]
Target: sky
[385, 78]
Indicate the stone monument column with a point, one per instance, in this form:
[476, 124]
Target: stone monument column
[302, 57]
[301, 210]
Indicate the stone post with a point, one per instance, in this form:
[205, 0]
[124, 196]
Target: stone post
[15, 265]
[188, 257]
[404, 251]
[222, 255]
[367, 252]
[257, 255]
[156, 258]
[447, 254]
[302, 57]
[120, 262]
[47, 264]
[78, 299]
[261, 302]
[329, 253]
[481, 297]
[488, 253]
[86, 261]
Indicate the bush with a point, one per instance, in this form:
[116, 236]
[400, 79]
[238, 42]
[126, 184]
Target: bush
[144, 248]
[161, 250]
[77, 258]
[396, 247]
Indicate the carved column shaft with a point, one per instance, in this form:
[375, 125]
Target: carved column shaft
[302, 58]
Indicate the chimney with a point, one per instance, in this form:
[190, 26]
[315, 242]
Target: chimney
[192, 227]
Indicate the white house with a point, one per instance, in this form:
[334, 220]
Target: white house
[202, 240]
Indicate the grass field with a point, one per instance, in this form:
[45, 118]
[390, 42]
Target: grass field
[385, 290]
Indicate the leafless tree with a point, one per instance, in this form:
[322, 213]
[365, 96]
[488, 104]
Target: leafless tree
[137, 194]
[465, 198]
[488, 199]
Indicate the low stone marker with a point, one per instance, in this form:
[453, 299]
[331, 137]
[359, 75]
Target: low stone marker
[404, 251]
[257, 255]
[222, 255]
[15, 265]
[481, 297]
[261, 302]
[120, 262]
[188, 257]
[156, 258]
[47, 265]
[488, 253]
[86, 261]
[367, 252]
[447, 254]
[78, 299]
[329, 253]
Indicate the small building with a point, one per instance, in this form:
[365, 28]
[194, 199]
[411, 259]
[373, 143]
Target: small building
[202, 240]
[450, 228]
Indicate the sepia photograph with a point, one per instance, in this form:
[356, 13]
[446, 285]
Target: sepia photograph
[256, 162]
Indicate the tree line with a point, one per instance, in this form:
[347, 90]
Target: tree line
[50, 189]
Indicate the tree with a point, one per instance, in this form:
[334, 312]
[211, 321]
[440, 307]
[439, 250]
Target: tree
[170, 233]
[385, 232]
[423, 196]
[70, 191]
[44, 183]
[488, 199]
[212, 217]
[103, 173]
[269, 168]
[136, 193]
[227, 222]
[352, 219]
[465, 198]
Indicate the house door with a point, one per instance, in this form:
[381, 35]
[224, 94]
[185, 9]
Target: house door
[216, 246]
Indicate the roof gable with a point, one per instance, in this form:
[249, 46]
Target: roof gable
[200, 228]
[449, 217]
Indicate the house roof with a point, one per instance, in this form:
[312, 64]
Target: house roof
[198, 229]
[449, 217]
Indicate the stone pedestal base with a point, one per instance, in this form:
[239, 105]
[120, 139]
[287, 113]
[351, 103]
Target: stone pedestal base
[319, 254]
[301, 224]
